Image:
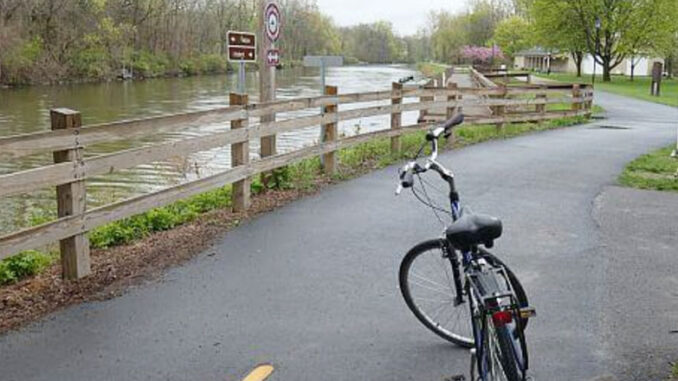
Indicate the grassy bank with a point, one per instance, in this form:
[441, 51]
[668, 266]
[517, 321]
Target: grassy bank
[622, 85]
[304, 175]
[656, 171]
[431, 69]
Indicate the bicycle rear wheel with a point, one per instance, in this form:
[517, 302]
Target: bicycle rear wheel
[503, 358]
[427, 284]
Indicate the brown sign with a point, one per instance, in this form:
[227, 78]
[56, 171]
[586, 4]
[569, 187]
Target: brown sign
[242, 46]
[241, 39]
[242, 53]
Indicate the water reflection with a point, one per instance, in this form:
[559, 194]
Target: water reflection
[26, 110]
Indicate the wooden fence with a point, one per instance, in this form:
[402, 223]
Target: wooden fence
[70, 169]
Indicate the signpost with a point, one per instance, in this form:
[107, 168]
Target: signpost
[323, 62]
[270, 25]
[242, 48]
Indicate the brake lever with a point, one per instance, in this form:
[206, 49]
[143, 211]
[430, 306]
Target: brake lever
[399, 189]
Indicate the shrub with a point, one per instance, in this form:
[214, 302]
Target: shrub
[149, 64]
[22, 265]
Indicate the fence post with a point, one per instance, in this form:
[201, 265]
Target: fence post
[588, 92]
[396, 117]
[71, 198]
[329, 133]
[500, 110]
[267, 147]
[240, 155]
[575, 94]
[424, 99]
[541, 108]
[452, 110]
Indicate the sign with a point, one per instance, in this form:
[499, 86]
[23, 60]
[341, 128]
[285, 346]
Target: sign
[273, 57]
[239, 53]
[241, 39]
[657, 71]
[323, 61]
[242, 47]
[273, 21]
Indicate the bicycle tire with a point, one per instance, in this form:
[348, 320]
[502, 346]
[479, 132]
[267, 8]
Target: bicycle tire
[506, 356]
[421, 315]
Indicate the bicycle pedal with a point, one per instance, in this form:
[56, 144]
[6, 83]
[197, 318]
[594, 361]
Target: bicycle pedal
[528, 312]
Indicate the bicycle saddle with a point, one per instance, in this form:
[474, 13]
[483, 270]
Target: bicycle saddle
[473, 229]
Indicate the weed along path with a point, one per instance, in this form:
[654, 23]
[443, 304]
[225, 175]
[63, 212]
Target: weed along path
[311, 288]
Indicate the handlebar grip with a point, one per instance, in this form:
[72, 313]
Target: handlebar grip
[407, 178]
[454, 121]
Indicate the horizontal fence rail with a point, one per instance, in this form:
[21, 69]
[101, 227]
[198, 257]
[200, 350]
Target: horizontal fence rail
[508, 105]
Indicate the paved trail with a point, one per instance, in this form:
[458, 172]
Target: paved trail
[312, 287]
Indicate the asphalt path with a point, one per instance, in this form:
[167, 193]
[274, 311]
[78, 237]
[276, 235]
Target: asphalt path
[312, 287]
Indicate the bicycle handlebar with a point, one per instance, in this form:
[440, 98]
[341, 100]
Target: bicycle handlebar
[407, 172]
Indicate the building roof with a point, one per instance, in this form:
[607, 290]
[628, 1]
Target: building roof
[537, 51]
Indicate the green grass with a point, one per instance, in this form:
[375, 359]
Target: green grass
[622, 85]
[431, 69]
[302, 175]
[674, 371]
[656, 171]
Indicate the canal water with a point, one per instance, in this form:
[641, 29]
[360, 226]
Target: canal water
[26, 110]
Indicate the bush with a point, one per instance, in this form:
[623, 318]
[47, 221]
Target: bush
[204, 64]
[22, 265]
[18, 63]
[149, 64]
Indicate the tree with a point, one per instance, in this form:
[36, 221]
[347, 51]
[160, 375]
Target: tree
[623, 24]
[449, 35]
[554, 30]
[513, 35]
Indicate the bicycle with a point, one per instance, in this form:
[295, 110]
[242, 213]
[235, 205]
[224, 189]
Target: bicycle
[493, 325]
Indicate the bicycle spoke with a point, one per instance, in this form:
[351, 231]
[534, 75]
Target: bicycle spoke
[428, 280]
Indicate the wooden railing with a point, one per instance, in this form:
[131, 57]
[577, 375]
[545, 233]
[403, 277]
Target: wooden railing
[70, 169]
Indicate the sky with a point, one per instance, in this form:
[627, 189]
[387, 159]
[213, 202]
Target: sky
[407, 16]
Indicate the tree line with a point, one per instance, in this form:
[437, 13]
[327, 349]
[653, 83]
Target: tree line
[611, 31]
[49, 41]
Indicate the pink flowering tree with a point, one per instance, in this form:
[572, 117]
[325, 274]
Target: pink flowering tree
[482, 54]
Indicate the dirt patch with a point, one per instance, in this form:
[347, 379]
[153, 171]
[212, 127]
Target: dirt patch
[115, 269]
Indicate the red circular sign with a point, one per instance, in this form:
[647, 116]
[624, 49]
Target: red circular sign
[273, 21]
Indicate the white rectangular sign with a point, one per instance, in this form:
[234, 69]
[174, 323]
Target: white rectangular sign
[327, 61]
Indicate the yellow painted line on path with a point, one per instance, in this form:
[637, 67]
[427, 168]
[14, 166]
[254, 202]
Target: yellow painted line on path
[260, 373]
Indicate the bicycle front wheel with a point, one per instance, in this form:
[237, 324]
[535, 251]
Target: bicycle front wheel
[427, 284]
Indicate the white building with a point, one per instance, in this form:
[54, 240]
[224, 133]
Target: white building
[539, 59]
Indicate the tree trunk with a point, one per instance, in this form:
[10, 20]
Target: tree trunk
[669, 66]
[607, 69]
[578, 58]
[633, 68]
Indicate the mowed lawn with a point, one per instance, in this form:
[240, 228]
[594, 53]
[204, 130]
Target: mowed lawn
[622, 85]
